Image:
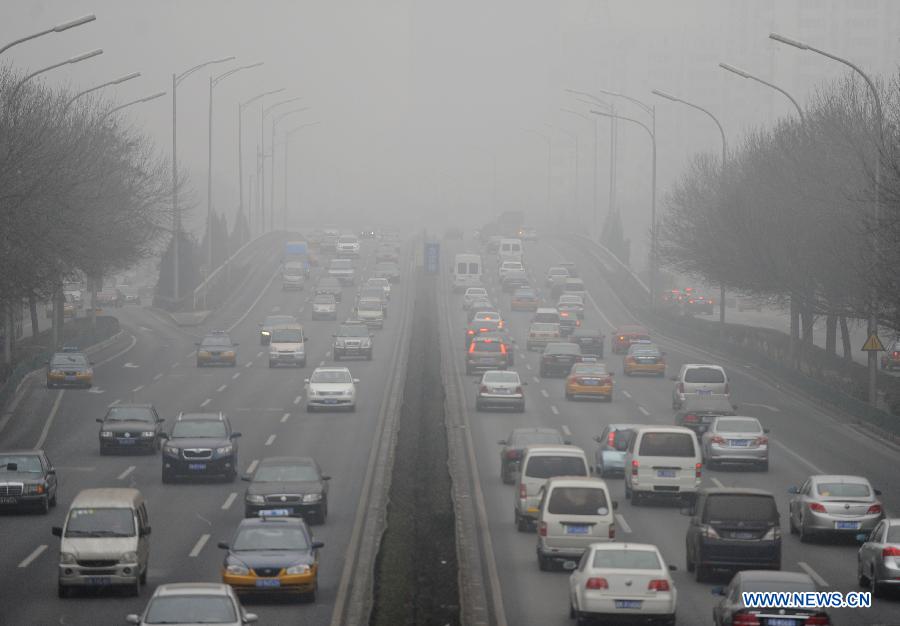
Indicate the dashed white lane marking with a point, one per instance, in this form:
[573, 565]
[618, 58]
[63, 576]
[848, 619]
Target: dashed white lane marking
[270, 440]
[158, 376]
[248, 364]
[131, 365]
[544, 393]
[554, 409]
[800, 458]
[252, 466]
[285, 417]
[235, 376]
[221, 388]
[95, 390]
[205, 402]
[259, 354]
[625, 393]
[623, 524]
[717, 482]
[124, 474]
[53, 410]
[176, 364]
[328, 354]
[813, 574]
[643, 410]
[536, 379]
[31, 557]
[297, 399]
[528, 366]
[321, 363]
[199, 545]
[774, 409]
[566, 431]
[113, 403]
[138, 388]
[229, 501]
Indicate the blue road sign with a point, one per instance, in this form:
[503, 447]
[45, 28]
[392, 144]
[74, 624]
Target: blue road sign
[432, 257]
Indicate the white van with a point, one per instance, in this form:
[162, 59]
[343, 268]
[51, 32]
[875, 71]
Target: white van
[574, 513]
[540, 462]
[510, 250]
[700, 379]
[105, 541]
[466, 271]
[662, 461]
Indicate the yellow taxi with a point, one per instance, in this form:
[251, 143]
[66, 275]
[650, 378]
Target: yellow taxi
[69, 368]
[589, 379]
[644, 357]
[273, 554]
[217, 348]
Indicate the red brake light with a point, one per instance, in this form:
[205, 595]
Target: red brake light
[659, 584]
[611, 439]
[815, 506]
[596, 583]
[523, 491]
[484, 330]
[634, 467]
[612, 531]
[472, 347]
[745, 619]
[542, 529]
[621, 338]
[512, 454]
[690, 417]
[718, 439]
[762, 441]
[519, 390]
[502, 348]
[890, 551]
[470, 332]
[698, 470]
[483, 389]
[875, 508]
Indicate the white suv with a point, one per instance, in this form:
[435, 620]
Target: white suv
[700, 379]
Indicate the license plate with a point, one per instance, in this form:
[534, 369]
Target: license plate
[8, 500]
[846, 525]
[70, 379]
[743, 535]
[665, 473]
[329, 401]
[125, 442]
[647, 361]
[591, 381]
[502, 391]
[781, 621]
[704, 392]
[579, 529]
[738, 443]
[277, 513]
[628, 604]
[268, 582]
[97, 580]
[197, 466]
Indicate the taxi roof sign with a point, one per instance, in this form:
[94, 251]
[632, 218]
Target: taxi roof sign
[873, 344]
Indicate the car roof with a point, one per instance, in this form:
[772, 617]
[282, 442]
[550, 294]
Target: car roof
[577, 481]
[185, 589]
[624, 545]
[688, 365]
[624, 426]
[775, 576]
[105, 497]
[535, 430]
[838, 478]
[544, 448]
[332, 369]
[197, 417]
[546, 309]
[664, 429]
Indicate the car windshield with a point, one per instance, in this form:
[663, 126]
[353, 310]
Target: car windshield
[486, 345]
[378, 282]
[526, 439]
[578, 501]
[369, 304]
[704, 375]
[626, 559]
[843, 490]
[190, 609]
[788, 586]
[327, 299]
[276, 320]
[548, 466]
[268, 536]
[563, 348]
[667, 444]
[285, 473]
[293, 268]
[353, 330]
[737, 426]
[375, 293]
[744, 507]
[216, 341]
[112, 522]
[24, 463]
[589, 369]
[516, 274]
[501, 377]
[551, 318]
[287, 335]
[69, 360]
[130, 414]
[199, 428]
[330, 376]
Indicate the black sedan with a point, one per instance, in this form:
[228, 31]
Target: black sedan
[27, 480]
[130, 427]
[730, 608]
[200, 444]
[558, 359]
[290, 486]
[698, 412]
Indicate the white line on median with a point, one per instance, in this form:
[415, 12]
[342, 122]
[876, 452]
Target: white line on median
[205, 402]
[625, 393]
[50, 418]
[544, 393]
[124, 474]
[199, 545]
[221, 388]
[158, 376]
[623, 524]
[31, 557]
[270, 440]
[566, 431]
[259, 354]
[797, 456]
[235, 376]
[285, 417]
[113, 403]
[252, 466]
[717, 482]
[813, 574]
[554, 409]
[643, 410]
[138, 388]
[248, 364]
[229, 501]
[297, 399]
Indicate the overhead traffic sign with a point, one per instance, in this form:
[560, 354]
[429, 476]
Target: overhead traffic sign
[432, 256]
[873, 344]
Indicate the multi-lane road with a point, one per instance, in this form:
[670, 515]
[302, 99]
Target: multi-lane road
[805, 442]
[154, 361]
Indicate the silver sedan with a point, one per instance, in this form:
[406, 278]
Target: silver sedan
[878, 561]
[827, 504]
[736, 440]
[500, 389]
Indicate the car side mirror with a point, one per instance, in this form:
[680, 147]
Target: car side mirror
[133, 619]
[223, 545]
[862, 538]
[246, 478]
[718, 590]
[250, 618]
[145, 532]
[673, 568]
[51, 471]
[236, 343]
[235, 435]
[568, 442]
[355, 380]
[57, 531]
[524, 383]
[90, 363]
[766, 430]
[326, 477]
[196, 343]
[793, 489]
[734, 406]
[317, 544]
[99, 420]
[877, 492]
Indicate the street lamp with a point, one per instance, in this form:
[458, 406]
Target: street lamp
[668, 96]
[117, 81]
[573, 137]
[55, 29]
[213, 81]
[176, 214]
[241, 107]
[275, 121]
[261, 178]
[549, 162]
[138, 101]
[596, 160]
[743, 74]
[873, 318]
[69, 61]
[287, 141]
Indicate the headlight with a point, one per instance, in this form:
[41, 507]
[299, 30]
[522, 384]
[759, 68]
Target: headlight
[312, 497]
[148, 433]
[56, 372]
[34, 490]
[339, 343]
[128, 557]
[105, 433]
[348, 392]
[298, 569]
[224, 450]
[237, 569]
[203, 353]
[264, 333]
[170, 450]
[313, 392]
[66, 558]
[229, 353]
[254, 499]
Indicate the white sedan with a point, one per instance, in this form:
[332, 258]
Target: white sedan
[331, 388]
[616, 580]
[384, 283]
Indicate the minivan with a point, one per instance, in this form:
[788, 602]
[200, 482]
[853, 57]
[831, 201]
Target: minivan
[662, 461]
[574, 513]
[104, 541]
[702, 379]
[539, 463]
[510, 250]
[287, 346]
[466, 271]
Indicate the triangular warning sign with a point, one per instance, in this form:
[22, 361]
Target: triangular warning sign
[873, 344]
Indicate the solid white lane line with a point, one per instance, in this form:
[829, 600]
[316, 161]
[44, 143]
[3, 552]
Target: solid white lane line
[31, 557]
[199, 545]
[259, 354]
[623, 524]
[50, 418]
[625, 393]
[643, 410]
[158, 376]
[536, 379]
[813, 574]
[248, 364]
[235, 376]
[717, 482]
[252, 466]
[131, 365]
[554, 409]
[138, 388]
[544, 393]
[229, 501]
[297, 399]
[205, 402]
[528, 366]
[800, 458]
[285, 417]
[270, 440]
[221, 388]
[124, 474]
[113, 403]
[566, 431]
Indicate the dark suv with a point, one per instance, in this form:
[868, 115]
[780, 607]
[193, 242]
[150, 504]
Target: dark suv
[129, 428]
[352, 339]
[698, 412]
[591, 341]
[732, 528]
[200, 444]
[558, 359]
